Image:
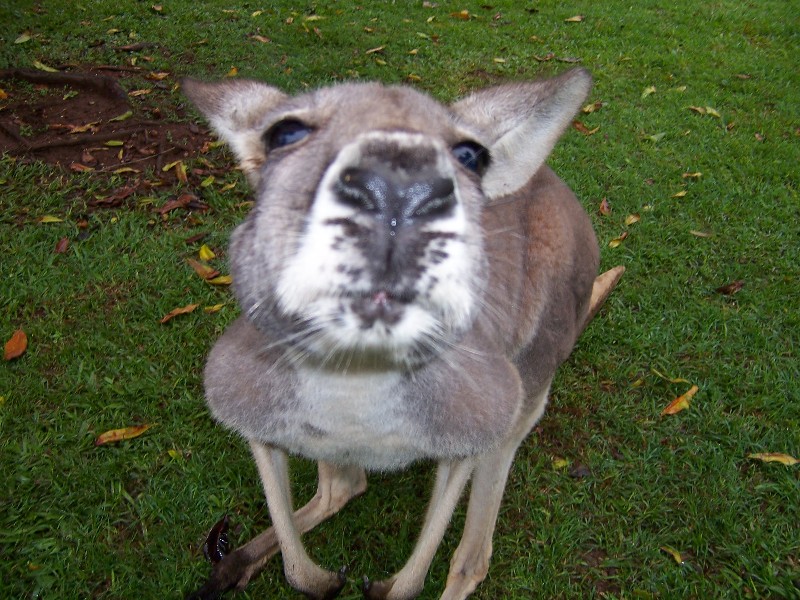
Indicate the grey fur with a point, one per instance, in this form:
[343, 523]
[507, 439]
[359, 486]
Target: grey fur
[411, 333]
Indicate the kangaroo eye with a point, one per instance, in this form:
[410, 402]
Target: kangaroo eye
[473, 156]
[285, 133]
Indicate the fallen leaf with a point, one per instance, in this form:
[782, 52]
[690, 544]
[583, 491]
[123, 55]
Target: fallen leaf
[22, 38]
[700, 110]
[618, 240]
[680, 194]
[3, 94]
[560, 463]
[50, 219]
[499, 60]
[759, 137]
[583, 129]
[233, 72]
[221, 280]
[575, 19]
[214, 309]
[124, 116]
[713, 112]
[117, 435]
[674, 554]
[648, 91]
[183, 310]
[680, 403]
[114, 143]
[205, 253]
[656, 137]
[122, 170]
[137, 93]
[730, 288]
[593, 107]
[670, 379]
[84, 128]
[545, 58]
[157, 75]
[62, 246]
[79, 167]
[16, 345]
[701, 234]
[374, 50]
[784, 459]
[632, 219]
[207, 181]
[261, 38]
[157, 8]
[43, 67]
[605, 207]
[205, 271]
[696, 175]
[463, 15]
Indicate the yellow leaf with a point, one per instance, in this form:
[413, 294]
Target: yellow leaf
[117, 435]
[115, 143]
[590, 108]
[124, 116]
[680, 403]
[175, 454]
[183, 310]
[137, 93]
[712, 112]
[221, 280]
[50, 219]
[670, 379]
[43, 67]
[22, 38]
[618, 240]
[257, 13]
[374, 50]
[696, 175]
[232, 73]
[648, 91]
[125, 170]
[157, 75]
[680, 194]
[227, 186]
[3, 94]
[631, 219]
[207, 181]
[560, 463]
[575, 19]
[206, 253]
[698, 109]
[214, 309]
[169, 166]
[784, 459]
[311, 18]
[16, 345]
[674, 554]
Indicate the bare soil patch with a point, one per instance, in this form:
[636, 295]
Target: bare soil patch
[104, 119]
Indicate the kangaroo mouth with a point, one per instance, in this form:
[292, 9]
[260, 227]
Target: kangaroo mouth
[381, 305]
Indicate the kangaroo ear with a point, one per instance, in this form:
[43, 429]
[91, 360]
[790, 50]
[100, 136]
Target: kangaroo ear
[521, 123]
[236, 108]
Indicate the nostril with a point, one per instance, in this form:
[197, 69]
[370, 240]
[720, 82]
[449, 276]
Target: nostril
[362, 189]
[433, 198]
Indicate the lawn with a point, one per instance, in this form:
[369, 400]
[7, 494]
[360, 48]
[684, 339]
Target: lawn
[692, 139]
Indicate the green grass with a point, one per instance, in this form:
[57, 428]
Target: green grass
[127, 521]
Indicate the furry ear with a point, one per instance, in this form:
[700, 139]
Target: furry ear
[521, 123]
[235, 108]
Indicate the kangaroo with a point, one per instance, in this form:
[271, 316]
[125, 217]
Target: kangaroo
[410, 277]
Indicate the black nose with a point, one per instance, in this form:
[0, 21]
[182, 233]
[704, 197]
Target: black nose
[397, 196]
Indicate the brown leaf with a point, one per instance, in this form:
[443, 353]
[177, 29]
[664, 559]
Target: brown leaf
[117, 435]
[181, 201]
[156, 76]
[583, 129]
[604, 208]
[16, 345]
[680, 403]
[696, 175]
[463, 15]
[62, 246]
[730, 288]
[79, 168]
[545, 58]
[205, 271]
[632, 219]
[183, 310]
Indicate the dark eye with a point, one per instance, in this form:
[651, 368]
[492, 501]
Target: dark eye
[473, 156]
[285, 133]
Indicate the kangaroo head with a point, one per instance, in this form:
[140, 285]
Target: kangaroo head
[366, 237]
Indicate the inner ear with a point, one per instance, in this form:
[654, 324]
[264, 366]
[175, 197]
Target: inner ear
[522, 122]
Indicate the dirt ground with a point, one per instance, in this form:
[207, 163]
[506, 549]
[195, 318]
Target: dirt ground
[109, 120]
